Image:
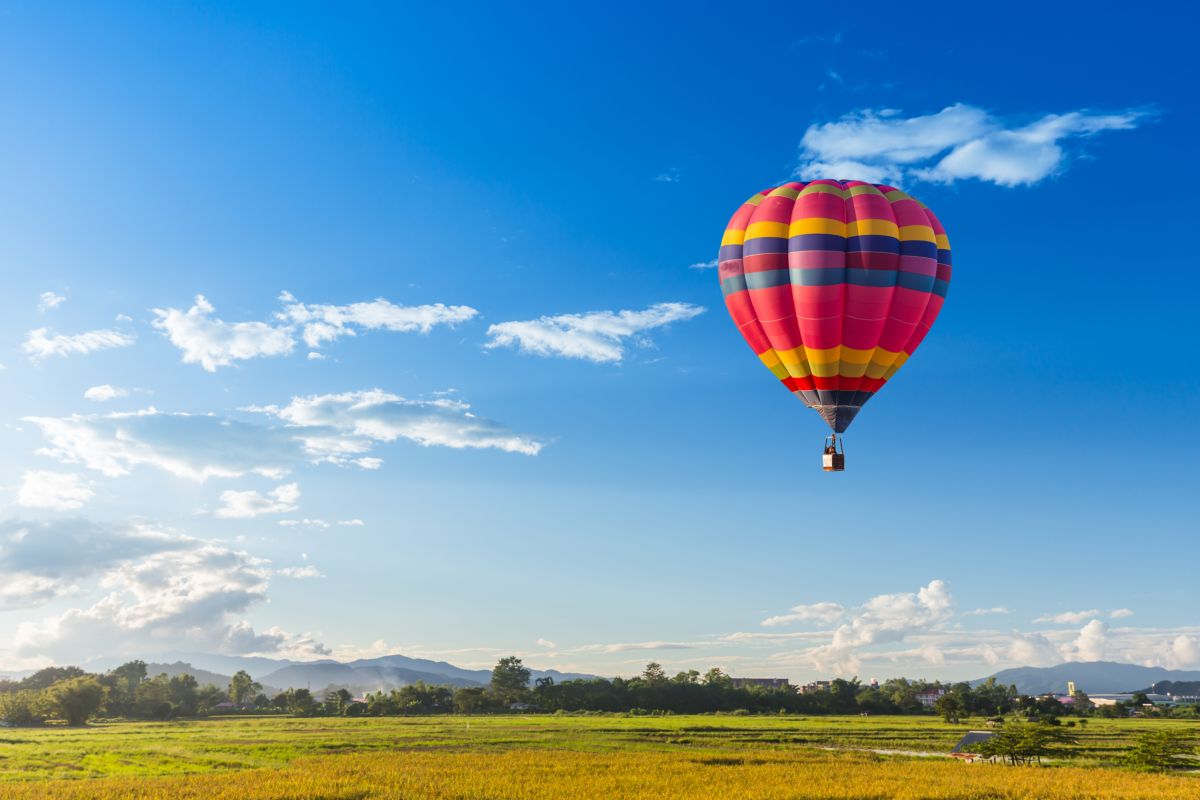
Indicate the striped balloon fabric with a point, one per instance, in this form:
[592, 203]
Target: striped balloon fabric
[834, 284]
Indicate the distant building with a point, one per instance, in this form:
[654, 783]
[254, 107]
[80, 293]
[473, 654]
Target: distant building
[1071, 688]
[929, 697]
[816, 686]
[765, 683]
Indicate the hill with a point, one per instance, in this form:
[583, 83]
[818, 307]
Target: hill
[1089, 676]
[387, 672]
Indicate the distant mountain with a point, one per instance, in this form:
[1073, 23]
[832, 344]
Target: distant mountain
[1097, 677]
[202, 676]
[1190, 688]
[387, 672]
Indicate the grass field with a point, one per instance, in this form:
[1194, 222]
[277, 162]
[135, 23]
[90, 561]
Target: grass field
[555, 757]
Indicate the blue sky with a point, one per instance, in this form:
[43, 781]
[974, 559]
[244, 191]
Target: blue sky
[460, 384]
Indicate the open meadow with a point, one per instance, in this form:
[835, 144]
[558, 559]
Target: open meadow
[557, 757]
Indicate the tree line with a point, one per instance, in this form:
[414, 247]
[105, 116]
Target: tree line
[74, 696]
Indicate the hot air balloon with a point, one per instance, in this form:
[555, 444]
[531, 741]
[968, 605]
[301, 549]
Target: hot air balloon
[834, 284]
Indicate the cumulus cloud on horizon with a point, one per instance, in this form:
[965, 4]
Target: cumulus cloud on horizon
[960, 142]
[159, 590]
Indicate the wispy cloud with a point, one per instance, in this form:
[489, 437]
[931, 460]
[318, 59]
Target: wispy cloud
[104, 392]
[1069, 617]
[957, 143]
[50, 300]
[211, 342]
[981, 612]
[710, 264]
[40, 343]
[335, 428]
[820, 612]
[250, 503]
[300, 572]
[597, 336]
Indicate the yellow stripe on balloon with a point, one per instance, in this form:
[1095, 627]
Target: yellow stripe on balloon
[943, 241]
[760, 230]
[785, 191]
[872, 227]
[917, 233]
[785, 364]
[807, 225]
[733, 236]
[813, 188]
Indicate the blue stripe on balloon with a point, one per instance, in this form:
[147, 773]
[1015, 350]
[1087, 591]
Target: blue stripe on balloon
[764, 244]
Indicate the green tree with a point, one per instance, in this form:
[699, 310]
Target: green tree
[1021, 742]
[208, 698]
[242, 687]
[951, 707]
[22, 707]
[654, 674]
[510, 679]
[1159, 751]
[716, 678]
[152, 698]
[48, 676]
[76, 699]
[301, 701]
[183, 691]
[470, 700]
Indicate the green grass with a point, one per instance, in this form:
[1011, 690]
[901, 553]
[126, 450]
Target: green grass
[231, 743]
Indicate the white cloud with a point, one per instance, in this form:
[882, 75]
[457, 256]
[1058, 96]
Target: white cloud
[885, 619]
[41, 561]
[1120, 613]
[352, 523]
[546, 643]
[322, 323]
[250, 503]
[211, 342]
[1090, 645]
[300, 572]
[50, 300]
[339, 427]
[61, 491]
[672, 175]
[307, 523]
[981, 612]
[710, 264]
[957, 143]
[161, 591]
[1183, 653]
[104, 392]
[624, 647]
[197, 447]
[597, 336]
[333, 428]
[39, 344]
[819, 612]
[1069, 617]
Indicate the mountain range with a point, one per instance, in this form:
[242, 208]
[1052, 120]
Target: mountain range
[367, 674]
[1093, 677]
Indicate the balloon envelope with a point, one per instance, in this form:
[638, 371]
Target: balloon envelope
[834, 284]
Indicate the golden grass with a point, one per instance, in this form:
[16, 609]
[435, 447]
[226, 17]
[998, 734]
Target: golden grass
[542, 774]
